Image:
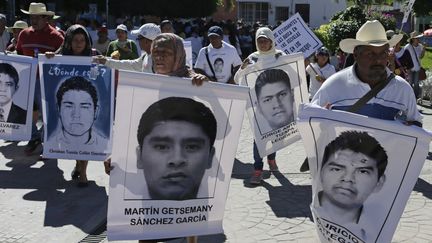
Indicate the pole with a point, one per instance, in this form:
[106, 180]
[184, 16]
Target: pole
[106, 7]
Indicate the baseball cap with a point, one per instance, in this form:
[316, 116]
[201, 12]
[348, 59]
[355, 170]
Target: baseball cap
[149, 31]
[215, 30]
[323, 51]
[122, 27]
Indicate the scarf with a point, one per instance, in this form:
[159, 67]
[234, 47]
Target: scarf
[175, 43]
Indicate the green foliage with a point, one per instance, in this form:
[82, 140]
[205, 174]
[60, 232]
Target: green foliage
[340, 30]
[322, 34]
[387, 20]
[427, 59]
[355, 13]
[422, 7]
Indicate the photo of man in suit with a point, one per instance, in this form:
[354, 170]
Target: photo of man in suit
[9, 111]
[176, 137]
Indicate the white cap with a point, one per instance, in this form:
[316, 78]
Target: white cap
[122, 27]
[149, 31]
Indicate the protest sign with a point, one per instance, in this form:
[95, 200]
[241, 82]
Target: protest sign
[363, 171]
[173, 153]
[77, 101]
[294, 35]
[16, 100]
[406, 9]
[276, 90]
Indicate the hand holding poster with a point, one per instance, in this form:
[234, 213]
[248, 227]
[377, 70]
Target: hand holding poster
[77, 100]
[173, 155]
[276, 90]
[294, 35]
[17, 79]
[363, 171]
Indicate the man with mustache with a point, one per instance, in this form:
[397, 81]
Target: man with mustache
[370, 49]
[352, 168]
[175, 137]
[275, 97]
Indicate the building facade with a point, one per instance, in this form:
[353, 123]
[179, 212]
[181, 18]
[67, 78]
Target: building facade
[313, 12]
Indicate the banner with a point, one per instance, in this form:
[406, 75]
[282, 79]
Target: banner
[363, 171]
[294, 35]
[77, 101]
[406, 9]
[173, 155]
[17, 81]
[276, 90]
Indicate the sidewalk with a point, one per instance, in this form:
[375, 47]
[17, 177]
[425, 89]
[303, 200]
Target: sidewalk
[40, 203]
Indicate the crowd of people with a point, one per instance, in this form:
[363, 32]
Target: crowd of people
[220, 51]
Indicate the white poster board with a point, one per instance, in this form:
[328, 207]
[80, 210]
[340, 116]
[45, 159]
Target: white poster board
[294, 35]
[363, 171]
[276, 90]
[18, 79]
[77, 101]
[157, 189]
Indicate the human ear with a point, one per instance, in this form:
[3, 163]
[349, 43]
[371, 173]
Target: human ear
[210, 159]
[138, 156]
[380, 183]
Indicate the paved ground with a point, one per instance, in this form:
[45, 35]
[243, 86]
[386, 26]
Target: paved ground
[40, 203]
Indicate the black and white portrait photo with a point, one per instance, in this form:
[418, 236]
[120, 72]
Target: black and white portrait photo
[176, 137]
[276, 90]
[17, 84]
[79, 110]
[363, 171]
[9, 84]
[174, 147]
[218, 65]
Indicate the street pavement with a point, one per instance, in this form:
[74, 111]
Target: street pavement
[40, 203]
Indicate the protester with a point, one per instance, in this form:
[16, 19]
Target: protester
[102, 43]
[77, 43]
[266, 51]
[166, 26]
[122, 48]
[320, 70]
[370, 50]
[146, 34]
[417, 51]
[196, 42]
[15, 30]
[400, 61]
[4, 35]
[40, 37]
[218, 50]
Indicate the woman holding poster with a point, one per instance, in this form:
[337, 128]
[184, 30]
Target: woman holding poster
[266, 50]
[77, 43]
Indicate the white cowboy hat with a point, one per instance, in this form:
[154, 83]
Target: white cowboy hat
[17, 25]
[372, 33]
[37, 9]
[415, 35]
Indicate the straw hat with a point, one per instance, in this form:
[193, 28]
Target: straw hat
[17, 25]
[372, 33]
[38, 9]
[415, 35]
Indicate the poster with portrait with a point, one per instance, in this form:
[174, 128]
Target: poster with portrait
[276, 90]
[17, 82]
[363, 171]
[294, 35]
[173, 153]
[77, 101]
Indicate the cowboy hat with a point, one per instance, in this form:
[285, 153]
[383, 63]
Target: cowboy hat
[372, 33]
[18, 25]
[415, 34]
[37, 9]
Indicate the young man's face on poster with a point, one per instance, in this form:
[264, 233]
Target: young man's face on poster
[77, 112]
[7, 88]
[276, 104]
[348, 178]
[174, 157]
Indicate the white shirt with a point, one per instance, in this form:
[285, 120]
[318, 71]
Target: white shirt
[226, 57]
[143, 63]
[415, 56]
[196, 43]
[325, 72]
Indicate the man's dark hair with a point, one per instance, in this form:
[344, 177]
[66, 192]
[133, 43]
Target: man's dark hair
[359, 142]
[11, 71]
[218, 60]
[177, 109]
[270, 76]
[77, 83]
